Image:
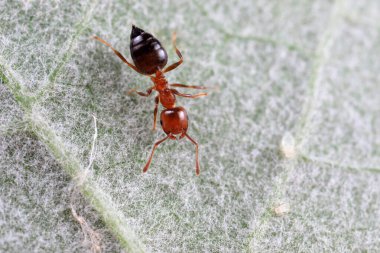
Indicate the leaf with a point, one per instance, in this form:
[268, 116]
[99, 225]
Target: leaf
[37, 198]
[300, 74]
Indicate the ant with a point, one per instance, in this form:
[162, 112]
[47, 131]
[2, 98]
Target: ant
[150, 58]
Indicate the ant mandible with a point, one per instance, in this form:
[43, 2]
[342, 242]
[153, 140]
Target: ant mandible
[150, 58]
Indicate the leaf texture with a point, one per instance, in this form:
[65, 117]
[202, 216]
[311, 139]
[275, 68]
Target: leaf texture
[289, 134]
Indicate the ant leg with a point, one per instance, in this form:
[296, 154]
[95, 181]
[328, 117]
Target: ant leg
[151, 155]
[196, 154]
[117, 53]
[174, 65]
[156, 101]
[188, 95]
[188, 86]
[147, 94]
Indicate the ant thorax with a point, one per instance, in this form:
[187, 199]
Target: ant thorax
[160, 81]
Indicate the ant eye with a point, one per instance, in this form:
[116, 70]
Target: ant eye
[161, 122]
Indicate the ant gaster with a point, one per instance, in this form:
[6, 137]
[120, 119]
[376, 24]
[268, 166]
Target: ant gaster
[150, 58]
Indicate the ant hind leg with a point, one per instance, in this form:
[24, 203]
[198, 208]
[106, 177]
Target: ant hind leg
[117, 53]
[174, 65]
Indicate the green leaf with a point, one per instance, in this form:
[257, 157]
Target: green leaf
[289, 134]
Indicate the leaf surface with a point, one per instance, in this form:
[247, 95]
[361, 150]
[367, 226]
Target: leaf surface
[304, 74]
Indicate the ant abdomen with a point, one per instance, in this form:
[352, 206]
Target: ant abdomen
[147, 52]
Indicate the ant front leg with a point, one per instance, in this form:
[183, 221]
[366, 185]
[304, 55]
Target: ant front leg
[188, 95]
[154, 148]
[117, 53]
[156, 101]
[174, 65]
[197, 168]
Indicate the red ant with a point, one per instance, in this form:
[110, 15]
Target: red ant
[150, 58]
